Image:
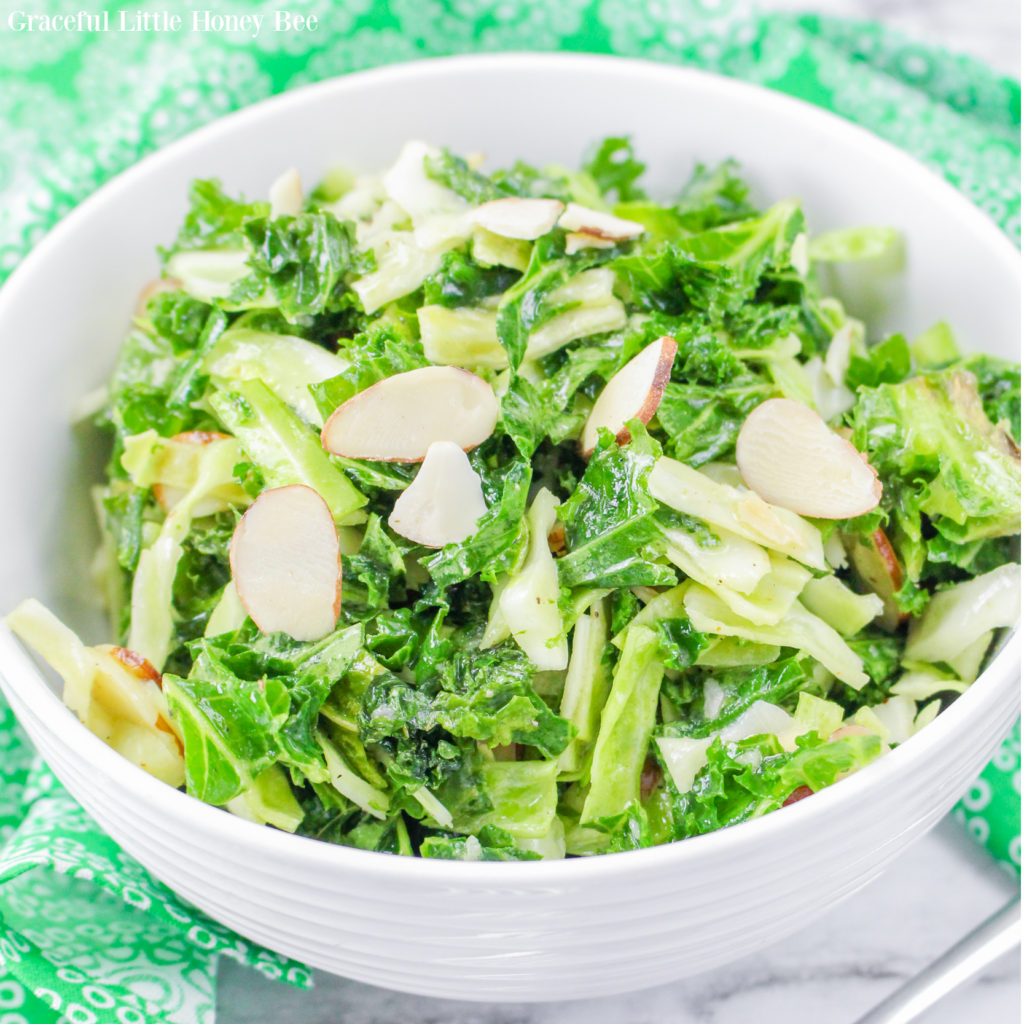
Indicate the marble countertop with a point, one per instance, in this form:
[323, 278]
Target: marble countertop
[849, 960]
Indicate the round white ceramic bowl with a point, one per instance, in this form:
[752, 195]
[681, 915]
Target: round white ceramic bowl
[494, 931]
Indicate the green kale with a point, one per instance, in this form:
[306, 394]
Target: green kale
[123, 512]
[714, 197]
[888, 362]
[214, 219]
[776, 683]
[300, 260]
[501, 537]
[453, 172]
[381, 351]
[610, 530]
[614, 167]
[999, 387]
[880, 655]
[522, 307]
[490, 844]
[203, 572]
[939, 455]
[378, 565]
[748, 778]
[680, 642]
[463, 282]
[488, 696]
[228, 725]
[179, 318]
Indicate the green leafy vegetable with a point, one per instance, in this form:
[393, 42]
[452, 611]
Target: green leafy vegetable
[488, 696]
[626, 725]
[283, 448]
[571, 678]
[886, 363]
[382, 351]
[713, 197]
[610, 528]
[500, 541]
[680, 642]
[748, 778]
[214, 220]
[939, 455]
[775, 683]
[453, 172]
[463, 282]
[614, 167]
[299, 260]
[490, 844]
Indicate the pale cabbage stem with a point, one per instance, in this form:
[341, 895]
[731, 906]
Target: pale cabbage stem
[152, 622]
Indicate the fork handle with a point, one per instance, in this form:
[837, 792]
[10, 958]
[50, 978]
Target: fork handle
[986, 943]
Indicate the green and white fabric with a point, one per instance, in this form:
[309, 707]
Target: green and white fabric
[87, 935]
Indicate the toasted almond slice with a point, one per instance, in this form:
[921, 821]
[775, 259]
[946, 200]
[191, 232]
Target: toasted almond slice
[286, 195]
[136, 664]
[400, 417]
[161, 284]
[518, 218]
[601, 225]
[442, 505]
[200, 437]
[789, 457]
[633, 393]
[286, 563]
[127, 691]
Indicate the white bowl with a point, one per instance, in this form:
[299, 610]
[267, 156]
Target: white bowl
[494, 931]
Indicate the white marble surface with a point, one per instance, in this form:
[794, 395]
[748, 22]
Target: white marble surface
[839, 967]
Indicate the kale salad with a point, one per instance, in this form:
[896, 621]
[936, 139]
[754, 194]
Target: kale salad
[519, 515]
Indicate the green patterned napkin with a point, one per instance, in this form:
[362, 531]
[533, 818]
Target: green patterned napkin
[86, 933]
[990, 810]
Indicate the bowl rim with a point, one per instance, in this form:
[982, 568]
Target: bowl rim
[20, 674]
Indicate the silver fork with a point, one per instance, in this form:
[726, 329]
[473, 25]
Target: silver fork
[999, 934]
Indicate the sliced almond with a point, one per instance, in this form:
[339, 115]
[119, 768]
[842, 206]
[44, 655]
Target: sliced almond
[400, 417]
[789, 457]
[849, 730]
[286, 563]
[633, 393]
[200, 437]
[526, 219]
[556, 540]
[601, 225]
[798, 794]
[286, 195]
[136, 664]
[442, 505]
[877, 569]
